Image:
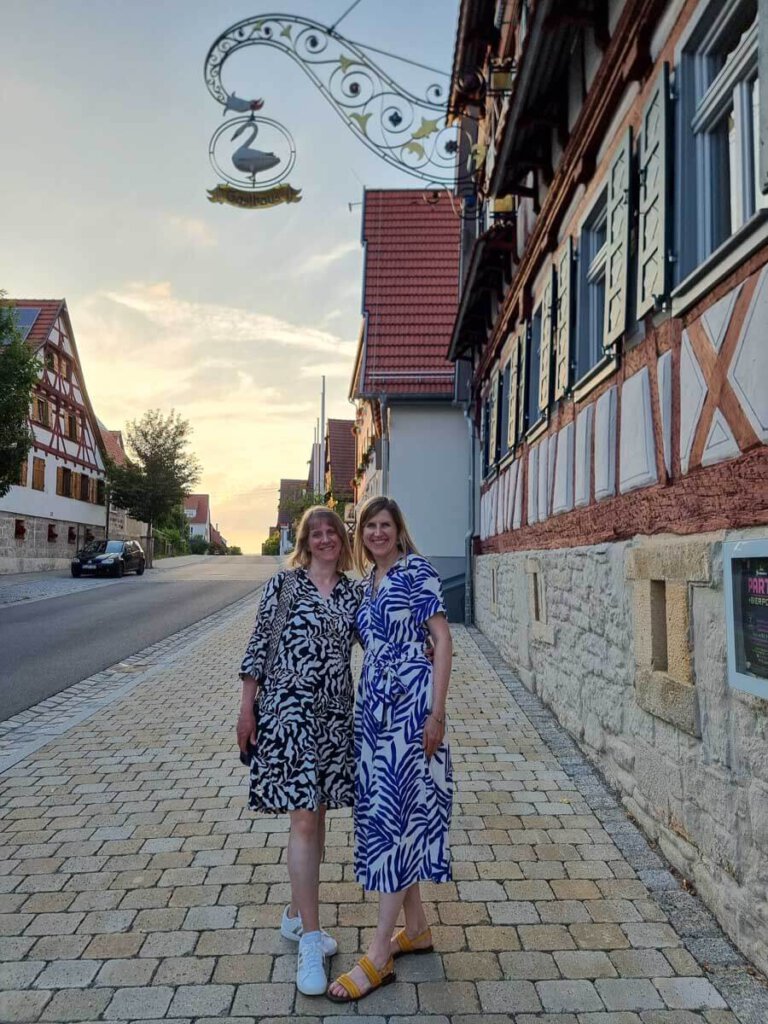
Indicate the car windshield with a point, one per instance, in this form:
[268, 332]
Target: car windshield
[100, 547]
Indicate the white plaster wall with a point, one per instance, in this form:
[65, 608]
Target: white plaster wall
[428, 474]
[47, 504]
[705, 800]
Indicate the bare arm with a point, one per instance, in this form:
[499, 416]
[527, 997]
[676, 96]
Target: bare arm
[434, 728]
[246, 719]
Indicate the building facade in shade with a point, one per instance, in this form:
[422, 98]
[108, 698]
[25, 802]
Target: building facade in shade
[412, 439]
[339, 460]
[613, 312]
[59, 502]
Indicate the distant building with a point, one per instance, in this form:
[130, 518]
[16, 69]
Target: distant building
[218, 542]
[119, 524]
[340, 460]
[197, 509]
[412, 440]
[291, 491]
[59, 501]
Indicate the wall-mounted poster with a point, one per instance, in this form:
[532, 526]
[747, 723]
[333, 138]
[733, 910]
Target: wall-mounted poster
[745, 568]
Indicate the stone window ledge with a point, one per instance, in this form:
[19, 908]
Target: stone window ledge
[667, 698]
[542, 632]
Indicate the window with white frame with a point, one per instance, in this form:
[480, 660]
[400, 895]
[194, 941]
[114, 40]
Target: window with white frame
[593, 253]
[719, 139]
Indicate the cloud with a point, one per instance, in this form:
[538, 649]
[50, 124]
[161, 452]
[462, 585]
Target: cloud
[320, 261]
[191, 231]
[213, 325]
[316, 370]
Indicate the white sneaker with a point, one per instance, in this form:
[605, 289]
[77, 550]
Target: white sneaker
[311, 975]
[291, 928]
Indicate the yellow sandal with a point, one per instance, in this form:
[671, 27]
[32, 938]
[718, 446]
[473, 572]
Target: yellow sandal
[377, 979]
[407, 945]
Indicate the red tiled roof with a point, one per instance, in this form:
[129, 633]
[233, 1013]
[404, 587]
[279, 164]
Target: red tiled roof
[340, 456]
[410, 293]
[43, 325]
[112, 441]
[199, 504]
[216, 538]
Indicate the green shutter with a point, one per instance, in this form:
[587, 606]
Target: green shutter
[617, 230]
[563, 318]
[652, 234]
[545, 362]
[523, 340]
[513, 381]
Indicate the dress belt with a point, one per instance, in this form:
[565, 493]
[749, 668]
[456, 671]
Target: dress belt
[387, 685]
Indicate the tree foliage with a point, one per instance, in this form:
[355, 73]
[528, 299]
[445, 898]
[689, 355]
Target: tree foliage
[19, 369]
[271, 545]
[198, 546]
[235, 549]
[159, 471]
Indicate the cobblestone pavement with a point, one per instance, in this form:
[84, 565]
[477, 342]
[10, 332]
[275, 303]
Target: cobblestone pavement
[135, 886]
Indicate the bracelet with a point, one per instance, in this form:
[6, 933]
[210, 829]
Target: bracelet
[440, 721]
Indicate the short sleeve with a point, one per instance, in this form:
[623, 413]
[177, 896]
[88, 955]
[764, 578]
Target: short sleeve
[253, 664]
[426, 592]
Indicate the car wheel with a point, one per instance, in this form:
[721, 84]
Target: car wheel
[120, 569]
[75, 573]
[140, 569]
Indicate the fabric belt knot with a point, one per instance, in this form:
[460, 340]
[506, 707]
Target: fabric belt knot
[390, 685]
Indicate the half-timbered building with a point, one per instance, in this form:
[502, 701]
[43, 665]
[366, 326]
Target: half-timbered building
[58, 503]
[613, 313]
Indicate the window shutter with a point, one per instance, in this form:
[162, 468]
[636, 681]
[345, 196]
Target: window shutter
[653, 220]
[545, 369]
[493, 427]
[60, 480]
[762, 87]
[617, 265]
[513, 385]
[522, 405]
[563, 318]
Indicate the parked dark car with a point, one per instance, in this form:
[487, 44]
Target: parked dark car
[110, 558]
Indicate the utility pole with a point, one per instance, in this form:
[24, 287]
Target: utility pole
[322, 437]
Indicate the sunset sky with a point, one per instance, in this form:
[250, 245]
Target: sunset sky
[228, 316]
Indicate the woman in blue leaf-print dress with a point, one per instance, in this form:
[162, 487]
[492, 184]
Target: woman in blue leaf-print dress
[403, 781]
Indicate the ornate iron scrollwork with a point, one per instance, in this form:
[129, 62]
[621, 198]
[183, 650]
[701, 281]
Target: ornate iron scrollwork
[407, 128]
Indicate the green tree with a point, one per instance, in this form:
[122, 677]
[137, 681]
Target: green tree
[234, 550]
[159, 471]
[19, 369]
[271, 545]
[198, 546]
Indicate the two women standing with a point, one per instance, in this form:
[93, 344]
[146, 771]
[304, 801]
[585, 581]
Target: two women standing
[303, 759]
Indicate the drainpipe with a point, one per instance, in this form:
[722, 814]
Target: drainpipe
[469, 582]
[384, 444]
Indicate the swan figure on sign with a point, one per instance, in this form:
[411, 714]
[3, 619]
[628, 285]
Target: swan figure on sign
[252, 161]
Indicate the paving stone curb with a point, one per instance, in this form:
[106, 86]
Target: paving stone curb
[741, 986]
[23, 734]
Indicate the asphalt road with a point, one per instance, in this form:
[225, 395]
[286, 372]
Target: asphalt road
[48, 645]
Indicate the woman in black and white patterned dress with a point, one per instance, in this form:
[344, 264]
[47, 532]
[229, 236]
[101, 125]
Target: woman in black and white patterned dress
[297, 718]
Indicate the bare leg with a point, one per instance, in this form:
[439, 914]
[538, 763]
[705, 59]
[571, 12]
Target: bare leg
[390, 905]
[304, 867]
[415, 918]
[294, 910]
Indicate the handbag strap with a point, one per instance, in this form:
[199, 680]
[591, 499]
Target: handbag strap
[285, 600]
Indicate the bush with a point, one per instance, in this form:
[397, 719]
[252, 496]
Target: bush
[198, 545]
[234, 550]
[271, 546]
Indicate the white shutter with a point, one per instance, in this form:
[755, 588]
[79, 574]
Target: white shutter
[617, 265]
[522, 401]
[513, 381]
[653, 213]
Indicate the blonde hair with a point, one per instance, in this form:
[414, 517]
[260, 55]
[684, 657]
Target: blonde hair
[301, 555]
[372, 508]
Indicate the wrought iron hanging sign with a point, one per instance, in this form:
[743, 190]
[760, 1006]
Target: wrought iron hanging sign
[408, 128]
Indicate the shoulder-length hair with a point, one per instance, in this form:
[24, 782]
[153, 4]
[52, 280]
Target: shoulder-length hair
[371, 508]
[301, 555]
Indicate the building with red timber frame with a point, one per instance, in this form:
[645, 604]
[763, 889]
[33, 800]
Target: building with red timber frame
[613, 313]
[59, 501]
[412, 440]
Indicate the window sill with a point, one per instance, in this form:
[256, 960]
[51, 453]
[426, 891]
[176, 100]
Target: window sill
[543, 632]
[595, 376]
[725, 259]
[537, 429]
[506, 460]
